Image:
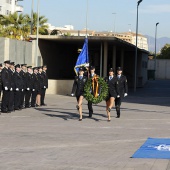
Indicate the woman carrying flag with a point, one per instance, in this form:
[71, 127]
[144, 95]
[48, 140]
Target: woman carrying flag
[78, 90]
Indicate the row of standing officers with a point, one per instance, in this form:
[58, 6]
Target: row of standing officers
[22, 86]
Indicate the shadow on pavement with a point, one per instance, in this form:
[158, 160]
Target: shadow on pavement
[66, 115]
[155, 92]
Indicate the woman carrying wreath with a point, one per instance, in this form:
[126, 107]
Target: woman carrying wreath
[78, 90]
[111, 80]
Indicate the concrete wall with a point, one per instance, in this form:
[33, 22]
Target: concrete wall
[16, 51]
[162, 68]
[62, 87]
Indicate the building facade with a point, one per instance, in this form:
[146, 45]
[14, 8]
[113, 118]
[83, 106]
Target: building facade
[9, 6]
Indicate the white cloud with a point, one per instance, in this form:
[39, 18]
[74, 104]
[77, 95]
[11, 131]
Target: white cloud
[161, 8]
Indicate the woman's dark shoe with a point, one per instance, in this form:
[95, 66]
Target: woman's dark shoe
[80, 119]
[109, 109]
[108, 120]
[77, 107]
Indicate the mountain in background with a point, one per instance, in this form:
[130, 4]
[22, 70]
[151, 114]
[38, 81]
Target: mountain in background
[160, 42]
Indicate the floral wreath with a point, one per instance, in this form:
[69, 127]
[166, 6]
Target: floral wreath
[92, 92]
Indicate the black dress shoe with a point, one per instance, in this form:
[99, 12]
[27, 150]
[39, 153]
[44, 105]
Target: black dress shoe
[90, 115]
[3, 111]
[117, 116]
[43, 105]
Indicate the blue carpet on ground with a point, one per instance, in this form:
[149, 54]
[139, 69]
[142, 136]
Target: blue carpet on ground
[158, 148]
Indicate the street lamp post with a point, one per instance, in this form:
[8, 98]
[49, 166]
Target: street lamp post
[138, 3]
[114, 22]
[32, 9]
[36, 57]
[155, 43]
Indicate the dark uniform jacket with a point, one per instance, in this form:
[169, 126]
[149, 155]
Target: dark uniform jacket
[122, 85]
[29, 78]
[45, 79]
[18, 81]
[23, 75]
[0, 80]
[112, 86]
[6, 78]
[12, 79]
[36, 83]
[78, 86]
[41, 80]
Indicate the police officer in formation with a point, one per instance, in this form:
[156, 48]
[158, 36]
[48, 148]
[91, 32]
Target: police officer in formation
[20, 86]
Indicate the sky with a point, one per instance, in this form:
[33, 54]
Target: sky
[106, 15]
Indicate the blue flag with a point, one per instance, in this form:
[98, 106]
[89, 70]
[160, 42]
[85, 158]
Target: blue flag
[83, 58]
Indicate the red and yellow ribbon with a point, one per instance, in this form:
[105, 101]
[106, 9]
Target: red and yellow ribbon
[95, 85]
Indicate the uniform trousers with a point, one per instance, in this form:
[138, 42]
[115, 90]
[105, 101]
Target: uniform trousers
[42, 96]
[33, 98]
[117, 105]
[22, 98]
[5, 101]
[90, 108]
[11, 101]
[17, 100]
[27, 98]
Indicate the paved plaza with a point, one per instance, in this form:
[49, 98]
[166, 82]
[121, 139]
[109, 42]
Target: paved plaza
[52, 138]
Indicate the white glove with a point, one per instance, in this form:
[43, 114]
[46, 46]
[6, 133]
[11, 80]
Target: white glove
[6, 88]
[17, 89]
[125, 94]
[11, 89]
[28, 88]
[72, 94]
[33, 89]
[22, 89]
[44, 87]
[118, 96]
[87, 65]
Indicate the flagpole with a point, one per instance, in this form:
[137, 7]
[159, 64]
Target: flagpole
[86, 17]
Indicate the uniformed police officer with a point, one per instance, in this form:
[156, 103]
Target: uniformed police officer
[1, 67]
[11, 97]
[19, 85]
[6, 86]
[41, 86]
[29, 86]
[111, 80]
[78, 90]
[36, 86]
[23, 75]
[92, 75]
[45, 84]
[122, 89]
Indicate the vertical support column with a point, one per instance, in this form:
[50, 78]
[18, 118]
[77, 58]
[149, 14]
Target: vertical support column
[34, 53]
[122, 58]
[114, 58]
[105, 59]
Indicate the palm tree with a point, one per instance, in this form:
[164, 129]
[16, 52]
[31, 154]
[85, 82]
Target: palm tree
[18, 26]
[42, 26]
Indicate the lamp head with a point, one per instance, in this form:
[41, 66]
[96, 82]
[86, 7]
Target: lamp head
[157, 23]
[139, 2]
